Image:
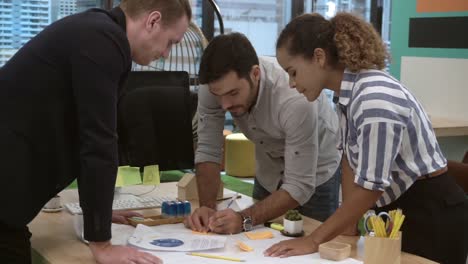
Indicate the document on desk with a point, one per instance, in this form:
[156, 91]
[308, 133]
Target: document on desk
[147, 238]
[231, 249]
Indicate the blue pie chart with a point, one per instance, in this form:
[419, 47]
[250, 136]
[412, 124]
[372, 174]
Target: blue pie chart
[167, 242]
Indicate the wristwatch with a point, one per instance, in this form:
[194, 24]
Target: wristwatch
[246, 222]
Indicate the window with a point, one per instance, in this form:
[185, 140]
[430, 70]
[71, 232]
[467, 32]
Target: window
[260, 20]
[21, 20]
[196, 10]
[328, 8]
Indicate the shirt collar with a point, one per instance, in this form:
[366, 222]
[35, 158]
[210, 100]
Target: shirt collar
[346, 89]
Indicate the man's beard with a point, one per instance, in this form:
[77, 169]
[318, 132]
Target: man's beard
[248, 106]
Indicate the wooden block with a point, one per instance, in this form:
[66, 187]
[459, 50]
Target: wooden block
[333, 250]
[155, 220]
[187, 188]
[382, 250]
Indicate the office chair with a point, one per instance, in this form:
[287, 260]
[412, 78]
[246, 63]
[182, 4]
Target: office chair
[154, 121]
[459, 170]
[186, 56]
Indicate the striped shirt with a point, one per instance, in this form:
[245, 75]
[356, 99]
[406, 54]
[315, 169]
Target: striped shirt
[385, 133]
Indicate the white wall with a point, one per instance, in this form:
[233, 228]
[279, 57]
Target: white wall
[440, 84]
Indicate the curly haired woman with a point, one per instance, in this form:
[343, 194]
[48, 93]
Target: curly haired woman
[391, 157]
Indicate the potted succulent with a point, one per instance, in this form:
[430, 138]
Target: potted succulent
[293, 223]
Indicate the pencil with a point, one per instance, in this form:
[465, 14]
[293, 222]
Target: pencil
[214, 256]
[232, 200]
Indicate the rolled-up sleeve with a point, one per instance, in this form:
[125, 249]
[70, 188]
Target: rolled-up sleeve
[378, 144]
[299, 120]
[210, 127]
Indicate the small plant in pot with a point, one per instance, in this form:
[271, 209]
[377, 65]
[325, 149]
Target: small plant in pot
[293, 223]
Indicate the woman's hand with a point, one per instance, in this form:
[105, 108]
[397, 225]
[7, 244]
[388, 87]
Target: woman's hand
[292, 247]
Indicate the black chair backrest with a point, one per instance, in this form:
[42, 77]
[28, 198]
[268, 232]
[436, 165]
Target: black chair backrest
[155, 125]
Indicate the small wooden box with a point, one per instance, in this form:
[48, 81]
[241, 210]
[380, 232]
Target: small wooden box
[156, 220]
[382, 250]
[187, 188]
[333, 250]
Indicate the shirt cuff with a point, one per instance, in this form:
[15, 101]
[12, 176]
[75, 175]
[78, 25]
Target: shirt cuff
[205, 157]
[370, 185]
[96, 227]
[297, 193]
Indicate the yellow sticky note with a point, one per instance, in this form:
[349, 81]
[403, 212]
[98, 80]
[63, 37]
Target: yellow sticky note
[119, 181]
[127, 175]
[244, 246]
[259, 235]
[151, 175]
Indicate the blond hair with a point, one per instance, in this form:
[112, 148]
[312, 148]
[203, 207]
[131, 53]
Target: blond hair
[347, 39]
[171, 9]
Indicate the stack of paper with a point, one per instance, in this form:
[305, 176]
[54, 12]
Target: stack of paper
[169, 247]
[146, 238]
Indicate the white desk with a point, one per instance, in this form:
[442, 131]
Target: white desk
[54, 237]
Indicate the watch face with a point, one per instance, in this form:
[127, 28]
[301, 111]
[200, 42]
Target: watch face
[247, 223]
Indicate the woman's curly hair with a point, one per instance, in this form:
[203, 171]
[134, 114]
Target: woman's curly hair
[347, 39]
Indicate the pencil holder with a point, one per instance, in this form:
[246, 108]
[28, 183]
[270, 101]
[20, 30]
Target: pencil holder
[382, 250]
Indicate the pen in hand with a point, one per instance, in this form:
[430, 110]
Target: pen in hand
[231, 201]
[233, 198]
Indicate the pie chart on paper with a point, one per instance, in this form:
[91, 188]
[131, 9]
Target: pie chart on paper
[167, 242]
[176, 242]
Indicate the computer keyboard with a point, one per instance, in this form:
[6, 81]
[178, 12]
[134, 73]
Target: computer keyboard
[127, 203]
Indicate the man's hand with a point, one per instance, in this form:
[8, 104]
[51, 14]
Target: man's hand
[106, 253]
[198, 220]
[226, 221]
[293, 247]
[120, 217]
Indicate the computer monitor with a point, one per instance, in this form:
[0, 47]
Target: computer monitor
[154, 121]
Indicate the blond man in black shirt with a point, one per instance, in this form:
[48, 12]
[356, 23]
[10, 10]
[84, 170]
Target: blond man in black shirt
[58, 120]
